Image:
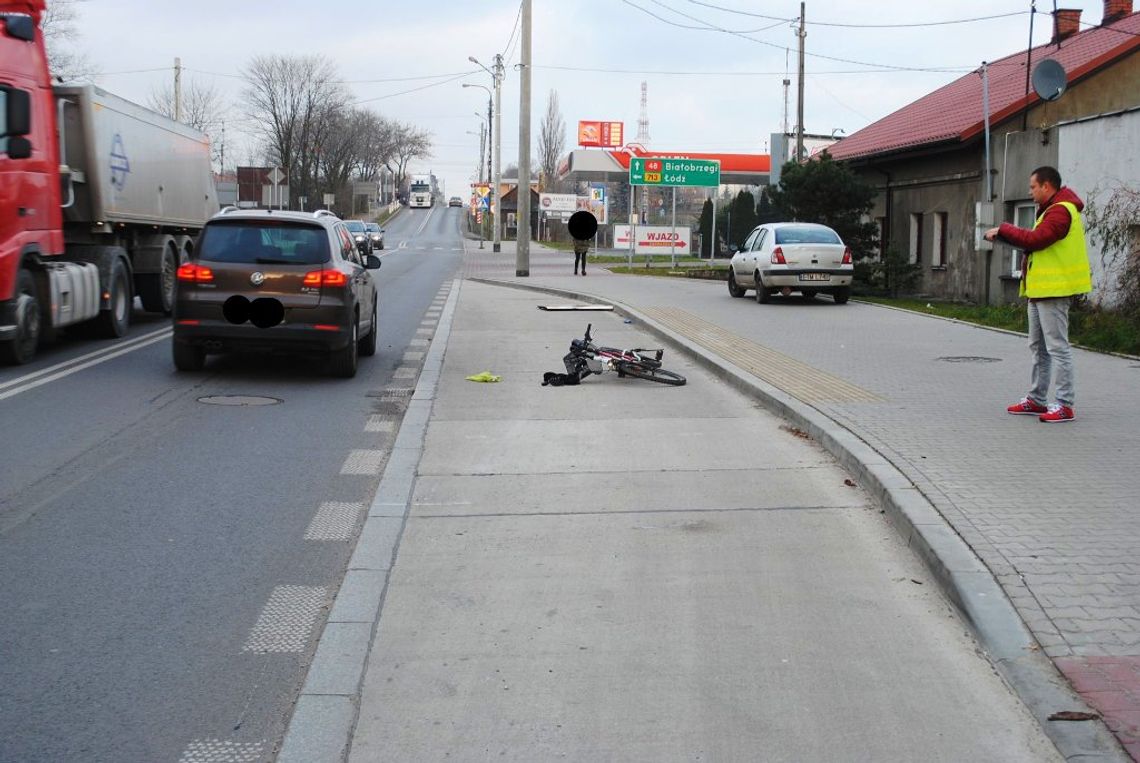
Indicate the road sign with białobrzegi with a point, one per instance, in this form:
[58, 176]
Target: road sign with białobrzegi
[660, 171]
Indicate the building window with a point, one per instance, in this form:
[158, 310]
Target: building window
[938, 250]
[915, 237]
[1024, 216]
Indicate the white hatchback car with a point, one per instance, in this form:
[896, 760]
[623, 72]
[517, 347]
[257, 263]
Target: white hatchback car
[786, 257]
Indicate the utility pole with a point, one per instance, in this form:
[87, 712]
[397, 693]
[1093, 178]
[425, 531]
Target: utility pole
[178, 90]
[522, 238]
[800, 106]
[496, 196]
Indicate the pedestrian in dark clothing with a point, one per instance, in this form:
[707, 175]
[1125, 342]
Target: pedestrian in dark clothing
[581, 247]
[1054, 268]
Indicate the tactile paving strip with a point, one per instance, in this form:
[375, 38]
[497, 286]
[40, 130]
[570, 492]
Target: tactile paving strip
[221, 751]
[792, 376]
[334, 521]
[286, 622]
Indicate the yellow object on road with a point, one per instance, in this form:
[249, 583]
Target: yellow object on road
[485, 376]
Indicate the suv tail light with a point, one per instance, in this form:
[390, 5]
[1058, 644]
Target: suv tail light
[846, 255]
[325, 278]
[194, 273]
[778, 257]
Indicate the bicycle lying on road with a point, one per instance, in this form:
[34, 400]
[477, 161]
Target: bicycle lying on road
[587, 358]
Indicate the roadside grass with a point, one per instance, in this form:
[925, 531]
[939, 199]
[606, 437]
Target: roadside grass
[1090, 327]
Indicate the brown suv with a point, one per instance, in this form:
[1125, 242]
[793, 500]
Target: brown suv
[265, 280]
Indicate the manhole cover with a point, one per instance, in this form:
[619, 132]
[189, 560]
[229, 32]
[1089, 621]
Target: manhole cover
[968, 359]
[238, 400]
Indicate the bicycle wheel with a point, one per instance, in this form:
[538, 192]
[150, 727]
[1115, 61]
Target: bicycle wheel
[639, 371]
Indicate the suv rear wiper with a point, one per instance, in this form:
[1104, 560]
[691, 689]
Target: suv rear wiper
[272, 261]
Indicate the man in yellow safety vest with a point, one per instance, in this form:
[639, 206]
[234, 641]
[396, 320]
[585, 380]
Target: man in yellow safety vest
[1054, 268]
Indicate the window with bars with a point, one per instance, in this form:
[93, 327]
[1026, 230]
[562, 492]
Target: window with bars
[915, 237]
[1024, 216]
[938, 250]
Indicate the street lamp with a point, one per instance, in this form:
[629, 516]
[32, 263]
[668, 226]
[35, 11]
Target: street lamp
[489, 118]
[497, 77]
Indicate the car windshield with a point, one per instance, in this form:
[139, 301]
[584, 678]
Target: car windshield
[265, 243]
[355, 226]
[372, 227]
[806, 234]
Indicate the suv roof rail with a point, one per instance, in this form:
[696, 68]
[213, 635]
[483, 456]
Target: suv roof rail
[227, 209]
[323, 213]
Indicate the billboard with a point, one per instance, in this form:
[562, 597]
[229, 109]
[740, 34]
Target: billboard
[654, 239]
[784, 145]
[557, 202]
[603, 134]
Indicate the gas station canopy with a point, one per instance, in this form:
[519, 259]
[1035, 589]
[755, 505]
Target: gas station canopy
[605, 166]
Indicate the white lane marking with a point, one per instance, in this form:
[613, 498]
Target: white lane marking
[425, 222]
[363, 462]
[222, 751]
[81, 358]
[418, 343]
[413, 357]
[334, 521]
[423, 332]
[166, 333]
[377, 423]
[286, 622]
[405, 372]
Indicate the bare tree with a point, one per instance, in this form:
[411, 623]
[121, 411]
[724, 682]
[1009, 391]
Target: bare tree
[60, 29]
[202, 105]
[551, 142]
[295, 102]
[410, 143]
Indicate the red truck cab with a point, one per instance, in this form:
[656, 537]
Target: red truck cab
[30, 191]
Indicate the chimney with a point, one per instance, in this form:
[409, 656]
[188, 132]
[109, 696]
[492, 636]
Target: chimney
[1066, 23]
[1116, 9]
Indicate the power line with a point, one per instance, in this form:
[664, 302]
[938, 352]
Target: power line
[864, 26]
[414, 89]
[643, 72]
[513, 40]
[714, 28]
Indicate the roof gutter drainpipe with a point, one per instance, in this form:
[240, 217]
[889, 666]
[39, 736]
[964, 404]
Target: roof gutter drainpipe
[989, 180]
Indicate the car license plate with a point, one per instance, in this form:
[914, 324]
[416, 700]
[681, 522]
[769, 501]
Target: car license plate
[815, 277]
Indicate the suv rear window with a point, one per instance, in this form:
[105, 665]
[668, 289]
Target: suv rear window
[264, 243]
[806, 235]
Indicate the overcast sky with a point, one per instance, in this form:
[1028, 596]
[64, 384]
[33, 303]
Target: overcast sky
[709, 90]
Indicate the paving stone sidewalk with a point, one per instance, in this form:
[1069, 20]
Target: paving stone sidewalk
[1052, 510]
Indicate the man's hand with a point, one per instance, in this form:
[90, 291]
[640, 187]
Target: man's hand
[991, 234]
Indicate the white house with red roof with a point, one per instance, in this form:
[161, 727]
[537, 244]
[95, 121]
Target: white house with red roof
[927, 158]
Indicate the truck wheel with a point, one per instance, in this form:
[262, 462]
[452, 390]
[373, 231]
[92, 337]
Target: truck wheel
[157, 289]
[114, 322]
[188, 357]
[22, 348]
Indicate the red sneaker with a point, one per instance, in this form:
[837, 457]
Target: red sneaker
[1057, 413]
[1027, 407]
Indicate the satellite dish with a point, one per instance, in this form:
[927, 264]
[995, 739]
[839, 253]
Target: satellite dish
[1049, 80]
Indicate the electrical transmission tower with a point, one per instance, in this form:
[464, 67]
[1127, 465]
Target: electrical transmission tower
[643, 120]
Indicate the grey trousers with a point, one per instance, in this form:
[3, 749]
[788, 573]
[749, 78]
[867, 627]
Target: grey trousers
[1049, 343]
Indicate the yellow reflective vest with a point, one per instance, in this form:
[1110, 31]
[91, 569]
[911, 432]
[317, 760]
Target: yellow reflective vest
[1062, 268]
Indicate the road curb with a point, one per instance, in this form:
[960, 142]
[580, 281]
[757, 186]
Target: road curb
[959, 571]
[325, 715]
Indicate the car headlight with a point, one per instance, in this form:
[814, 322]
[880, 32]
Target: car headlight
[360, 238]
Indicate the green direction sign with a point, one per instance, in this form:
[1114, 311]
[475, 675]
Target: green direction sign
[674, 172]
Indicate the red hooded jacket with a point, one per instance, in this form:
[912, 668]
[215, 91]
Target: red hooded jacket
[1054, 226]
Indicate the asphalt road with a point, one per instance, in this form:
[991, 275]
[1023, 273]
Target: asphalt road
[161, 600]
